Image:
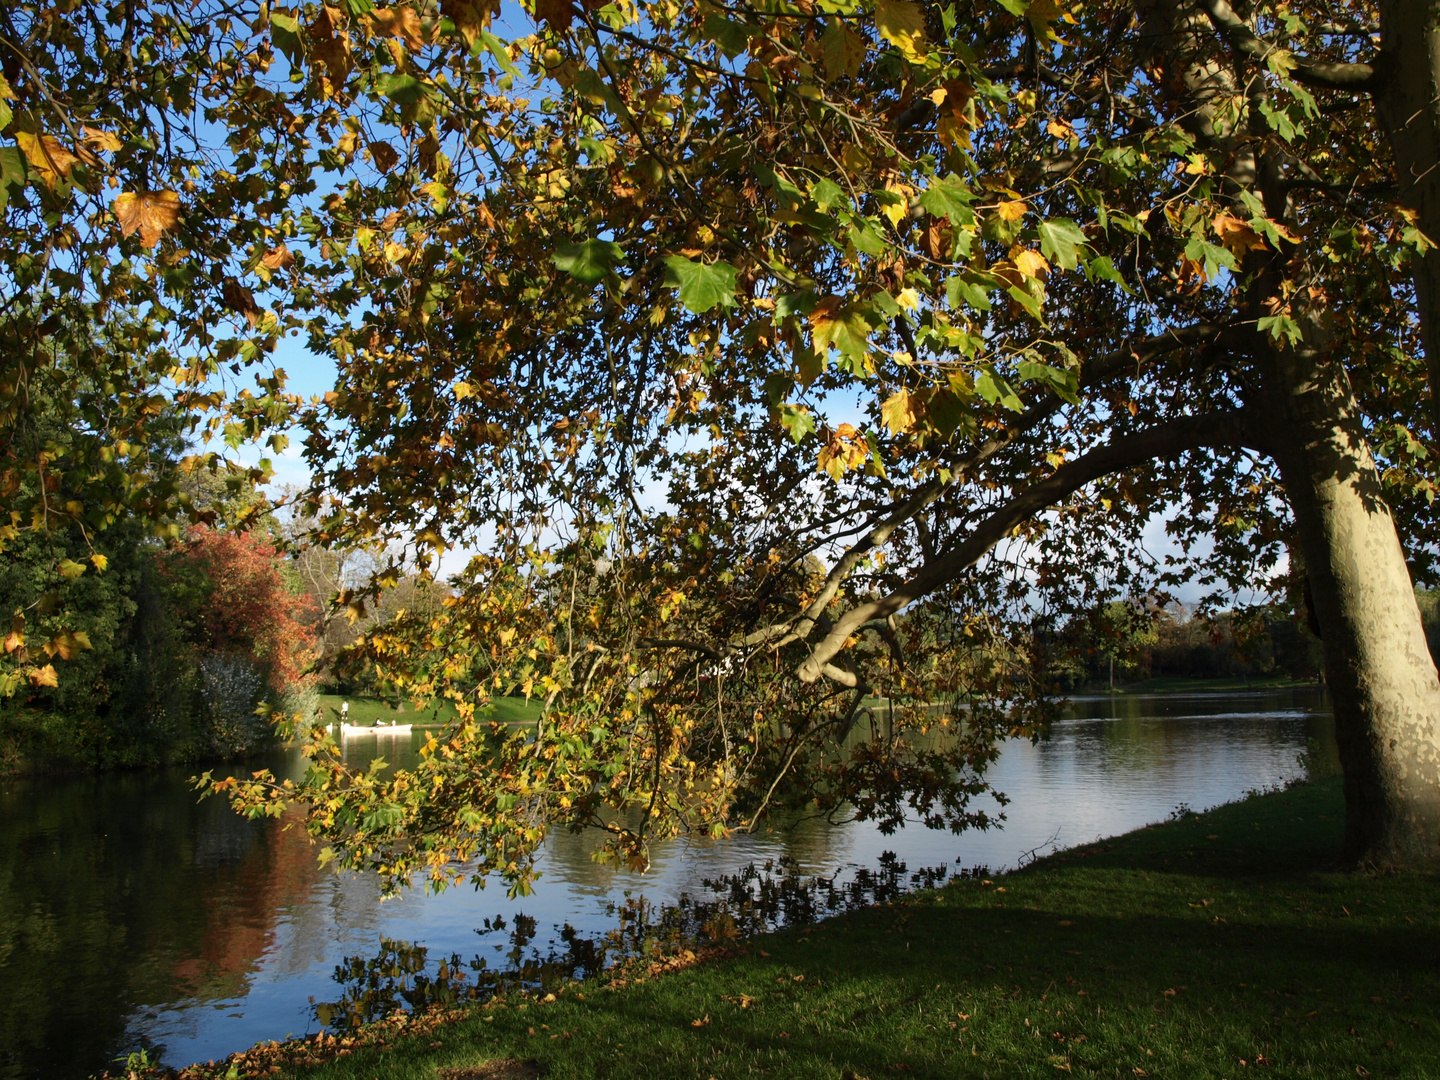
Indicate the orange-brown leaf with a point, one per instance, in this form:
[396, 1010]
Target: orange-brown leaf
[44, 676]
[384, 155]
[398, 22]
[240, 300]
[1239, 237]
[153, 213]
[278, 258]
[556, 14]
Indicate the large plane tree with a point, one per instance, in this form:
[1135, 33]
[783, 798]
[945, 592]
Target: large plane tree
[780, 358]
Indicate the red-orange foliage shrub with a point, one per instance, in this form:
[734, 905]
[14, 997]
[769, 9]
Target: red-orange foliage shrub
[242, 604]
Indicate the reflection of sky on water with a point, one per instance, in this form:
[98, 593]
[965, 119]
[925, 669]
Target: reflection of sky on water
[267, 927]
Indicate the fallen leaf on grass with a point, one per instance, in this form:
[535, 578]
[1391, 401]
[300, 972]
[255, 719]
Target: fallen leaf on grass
[704, 1022]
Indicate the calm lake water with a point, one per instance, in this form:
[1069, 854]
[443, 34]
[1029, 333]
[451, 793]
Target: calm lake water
[130, 915]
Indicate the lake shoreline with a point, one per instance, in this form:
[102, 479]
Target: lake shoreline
[1197, 947]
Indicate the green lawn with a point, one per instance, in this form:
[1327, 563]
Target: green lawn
[369, 711]
[1214, 947]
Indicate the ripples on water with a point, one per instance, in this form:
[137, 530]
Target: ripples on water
[130, 915]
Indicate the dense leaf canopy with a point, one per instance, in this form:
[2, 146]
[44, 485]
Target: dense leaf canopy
[777, 358]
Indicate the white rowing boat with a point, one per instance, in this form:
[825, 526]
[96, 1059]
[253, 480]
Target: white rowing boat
[378, 729]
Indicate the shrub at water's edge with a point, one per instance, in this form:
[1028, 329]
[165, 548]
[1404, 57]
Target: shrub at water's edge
[177, 647]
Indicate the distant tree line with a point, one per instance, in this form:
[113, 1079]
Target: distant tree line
[1129, 641]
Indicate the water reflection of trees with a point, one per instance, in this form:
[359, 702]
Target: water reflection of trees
[121, 892]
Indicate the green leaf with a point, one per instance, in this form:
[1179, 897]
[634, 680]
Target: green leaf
[732, 37]
[409, 94]
[358, 8]
[825, 193]
[848, 331]
[1279, 121]
[903, 25]
[1015, 7]
[588, 262]
[866, 237]
[497, 50]
[1280, 326]
[70, 569]
[886, 303]
[1211, 256]
[1101, 268]
[1033, 304]
[285, 33]
[796, 303]
[996, 390]
[949, 198]
[702, 286]
[1063, 382]
[1059, 239]
[959, 289]
[593, 88]
[796, 419]
[383, 817]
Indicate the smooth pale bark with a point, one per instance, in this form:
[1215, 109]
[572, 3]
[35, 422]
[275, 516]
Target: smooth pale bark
[1383, 684]
[1408, 99]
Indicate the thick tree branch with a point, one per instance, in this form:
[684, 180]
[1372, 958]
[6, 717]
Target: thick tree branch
[1097, 371]
[1325, 76]
[1188, 433]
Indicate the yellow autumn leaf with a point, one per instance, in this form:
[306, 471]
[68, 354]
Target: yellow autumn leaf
[152, 213]
[464, 390]
[898, 412]
[46, 156]
[103, 140]
[1031, 263]
[903, 25]
[1012, 211]
[908, 299]
[44, 676]
[100, 562]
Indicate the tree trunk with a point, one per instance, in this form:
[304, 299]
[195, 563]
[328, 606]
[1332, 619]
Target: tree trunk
[1408, 101]
[1383, 684]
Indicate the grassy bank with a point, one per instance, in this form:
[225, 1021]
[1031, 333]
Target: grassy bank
[1207, 947]
[369, 711]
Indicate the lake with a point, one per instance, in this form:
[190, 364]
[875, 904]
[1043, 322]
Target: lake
[132, 916]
